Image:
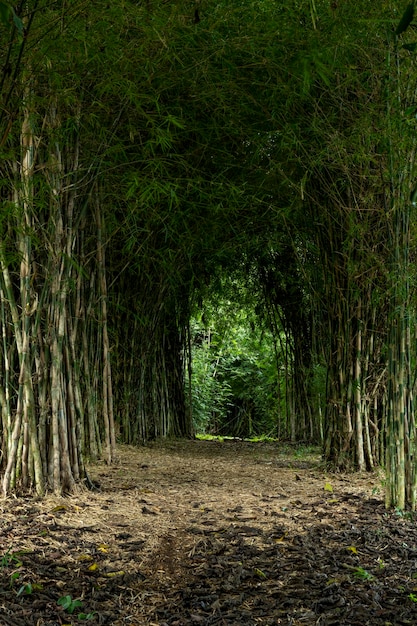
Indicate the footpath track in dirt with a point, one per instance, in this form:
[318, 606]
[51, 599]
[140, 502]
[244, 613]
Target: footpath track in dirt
[202, 533]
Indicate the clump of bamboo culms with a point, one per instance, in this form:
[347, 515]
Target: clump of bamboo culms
[149, 364]
[347, 288]
[288, 312]
[401, 427]
[54, 392]
[331, 170]
[401, 477]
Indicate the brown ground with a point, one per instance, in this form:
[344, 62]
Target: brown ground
[200, 533]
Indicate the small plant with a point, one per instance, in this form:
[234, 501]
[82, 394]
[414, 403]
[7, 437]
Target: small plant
[68, 604]
[10, 558]
[26, 590]
[412, 597]
[409, 515]
[363, 574]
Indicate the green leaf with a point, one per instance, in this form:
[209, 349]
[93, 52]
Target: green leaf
[68, 604]
[406, 19]
[18, 23]
[363, 574]
[65, 602]
[413, 196]
[74, 605]
[25, 589]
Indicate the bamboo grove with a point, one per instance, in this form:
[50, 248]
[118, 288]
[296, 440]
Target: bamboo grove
[147, 150]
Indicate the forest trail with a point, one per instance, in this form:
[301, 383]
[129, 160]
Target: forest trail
[205, 532]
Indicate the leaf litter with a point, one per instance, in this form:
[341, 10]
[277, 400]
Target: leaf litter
[207, 532]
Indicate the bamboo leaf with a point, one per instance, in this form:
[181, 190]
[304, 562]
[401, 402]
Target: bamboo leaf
[406, 19]
[60, 508]
[18, 23]
[413, 196]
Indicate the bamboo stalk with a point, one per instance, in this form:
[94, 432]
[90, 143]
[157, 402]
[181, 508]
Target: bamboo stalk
[358, 394]
[106, 374]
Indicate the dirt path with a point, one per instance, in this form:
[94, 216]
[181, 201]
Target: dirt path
[200, 533]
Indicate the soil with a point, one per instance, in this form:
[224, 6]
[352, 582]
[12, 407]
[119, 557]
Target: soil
[206, 532]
